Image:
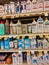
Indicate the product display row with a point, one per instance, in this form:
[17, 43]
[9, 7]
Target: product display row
[24, 6]
[39, 26]
[24, 43]
[29, 57]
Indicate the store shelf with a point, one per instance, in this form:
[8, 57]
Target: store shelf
[23, 35]
[31, 34]
[17, 15]
[23, 50]
[7, 36]
[12, 64]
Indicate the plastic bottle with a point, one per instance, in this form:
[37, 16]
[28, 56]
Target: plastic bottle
[29, 28]
[45, 43]
[27, 43]
[2, 28]
[11, 43]
[12, 5]
[23, 7]
[20, 58]
[18, 7]
[28, 57]
[34, 26]
[28, 6]
[33, 43]
[11, 27]
[2, 43]
[21, 43]
[19, 28]
[6, 42]
[40, 25]
[46, 26]
[7, 27]
[15, 42]
[15, 58]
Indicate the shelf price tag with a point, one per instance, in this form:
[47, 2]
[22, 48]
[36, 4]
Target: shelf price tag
[40, 53]
[30, 37]
[17, 37]
[0, 37]
[41, 36]
[34, 36]
[46, 36]
[23, 36]
[12, 17]
[28, 53]
[4, 17]
[5, 38]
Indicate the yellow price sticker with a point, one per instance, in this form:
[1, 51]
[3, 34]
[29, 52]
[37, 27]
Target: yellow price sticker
[23, 36]
[4, 17]
[41, 36]
[40, 53]
[5, 38]
[28, 53]
[12, 17]
[34, 36]
[30, 37]
[17, 37]
[0, 37]
[46, 36]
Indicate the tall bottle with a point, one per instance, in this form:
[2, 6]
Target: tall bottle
[6, 42]
[20, 61]
[7, 27]
[2, 43]
[29, 28]
[40, 25]
[12, 5]
[28, 6]
[14, 28]
[28, 57]
[11, 27]
[15, 42]
[34, 26]
[15, 58]
[18, 7]
[19, 28]
[2, 28]
[11, 43]
[46, 26]
[23, 3]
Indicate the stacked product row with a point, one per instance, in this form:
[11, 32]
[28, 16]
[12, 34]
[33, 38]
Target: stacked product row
[24, 43]
[29, 57]
[39, 26]
[25, 6]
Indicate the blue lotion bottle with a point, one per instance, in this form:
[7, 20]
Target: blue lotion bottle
[6, 42]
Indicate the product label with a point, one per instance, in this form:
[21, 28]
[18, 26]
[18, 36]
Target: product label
[11, 45]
